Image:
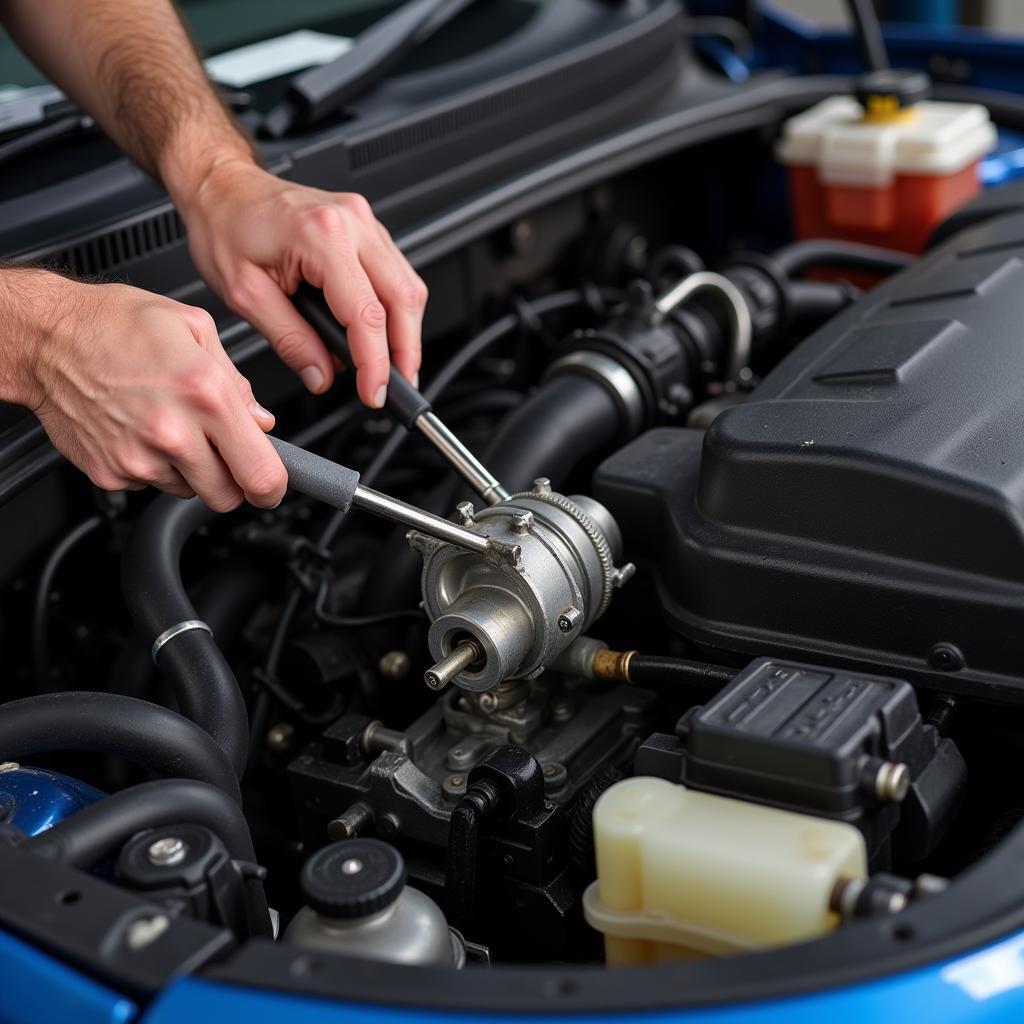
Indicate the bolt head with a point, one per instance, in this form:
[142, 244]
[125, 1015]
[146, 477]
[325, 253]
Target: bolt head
[892, 782]
[167, 852]
[487, 703]
[522, 523]
[465, 511]
[394, 665]
[542, 485]
[569, 619]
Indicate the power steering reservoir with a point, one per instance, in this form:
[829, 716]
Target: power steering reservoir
[510, 613]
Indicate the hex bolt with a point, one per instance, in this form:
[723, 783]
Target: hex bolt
[351, 822]
[394, 665]
[569, 619]
[542, 485]
[466, 512]
[522, 523]
[892, 781]
[465, 654]
[167, 852]
[279, 737]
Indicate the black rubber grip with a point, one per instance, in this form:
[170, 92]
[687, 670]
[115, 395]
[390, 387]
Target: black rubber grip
[318, 477]
[405, 404]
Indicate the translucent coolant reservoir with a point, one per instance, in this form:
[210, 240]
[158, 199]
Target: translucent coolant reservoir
[880, 172]
[682, 873]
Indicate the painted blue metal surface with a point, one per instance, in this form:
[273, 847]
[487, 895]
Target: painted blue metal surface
[36, 989]
[34, 799]
[987, 986]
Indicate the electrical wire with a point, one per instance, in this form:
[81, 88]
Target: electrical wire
[41, 600]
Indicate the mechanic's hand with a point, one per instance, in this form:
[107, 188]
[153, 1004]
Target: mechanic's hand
[255, 238]
[136, 389]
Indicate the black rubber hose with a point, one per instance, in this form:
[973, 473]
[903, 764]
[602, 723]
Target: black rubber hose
[869, 34]
[816, 302]
[566, 420]
[654, 669]
[96, 833]
[203, 682]
[146, 734]
[794, 259]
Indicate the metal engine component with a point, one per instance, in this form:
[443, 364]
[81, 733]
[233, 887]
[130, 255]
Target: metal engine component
[520, 613]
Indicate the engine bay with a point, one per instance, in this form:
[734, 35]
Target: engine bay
[673, 623]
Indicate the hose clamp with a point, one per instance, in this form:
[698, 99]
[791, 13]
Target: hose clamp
[176, 630]
[615, 378]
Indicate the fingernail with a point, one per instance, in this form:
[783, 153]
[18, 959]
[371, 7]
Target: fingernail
[313, 378]
[259, 412]
[380, 397]
[416, 380]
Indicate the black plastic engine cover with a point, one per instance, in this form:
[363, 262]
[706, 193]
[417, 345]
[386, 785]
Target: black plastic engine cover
[867, 503]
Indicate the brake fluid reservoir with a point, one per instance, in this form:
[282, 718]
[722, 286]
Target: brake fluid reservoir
[682, 873]
[885, 168]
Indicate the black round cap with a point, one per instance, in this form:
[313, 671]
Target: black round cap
[353, 878]
[900, 87]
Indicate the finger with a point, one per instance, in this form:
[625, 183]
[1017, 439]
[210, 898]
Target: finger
[206, 474]
[260, 300]
[250, 459]
[204, 330]
[405, 297]
[354, 303]
[170, 481]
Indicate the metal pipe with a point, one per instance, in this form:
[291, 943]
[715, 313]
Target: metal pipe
[461, 459]
[735, 307]
[386, 507]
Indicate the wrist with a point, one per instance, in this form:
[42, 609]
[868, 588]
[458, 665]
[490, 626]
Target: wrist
[33, 307]
[195, 181]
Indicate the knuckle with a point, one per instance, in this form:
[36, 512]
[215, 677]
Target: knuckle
[205, 387]
[137, 466]
[167, 434]
[105, 478]
[372, 315]
[268, 480]
[414, 294]
[358, 205]
[291, 346]
[324, 219]
[225, 501]
[203, 321]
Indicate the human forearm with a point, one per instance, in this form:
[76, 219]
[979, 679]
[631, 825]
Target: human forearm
[131, 64]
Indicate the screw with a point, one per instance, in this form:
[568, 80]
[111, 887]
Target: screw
[466, 512]
[394, 665]
[455, 781]
[522, 523]
[892, 781]
[279, 737]
[9, 766]
[569, 619]
[167, 852]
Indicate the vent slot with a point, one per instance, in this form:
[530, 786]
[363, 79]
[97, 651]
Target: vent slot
[122, 246]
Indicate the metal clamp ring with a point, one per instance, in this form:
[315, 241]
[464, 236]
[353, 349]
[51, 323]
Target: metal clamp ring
[169, 634]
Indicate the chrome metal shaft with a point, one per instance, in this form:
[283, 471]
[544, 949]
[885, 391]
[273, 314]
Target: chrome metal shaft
[440, 675]
[462, 460]
[386, 507]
